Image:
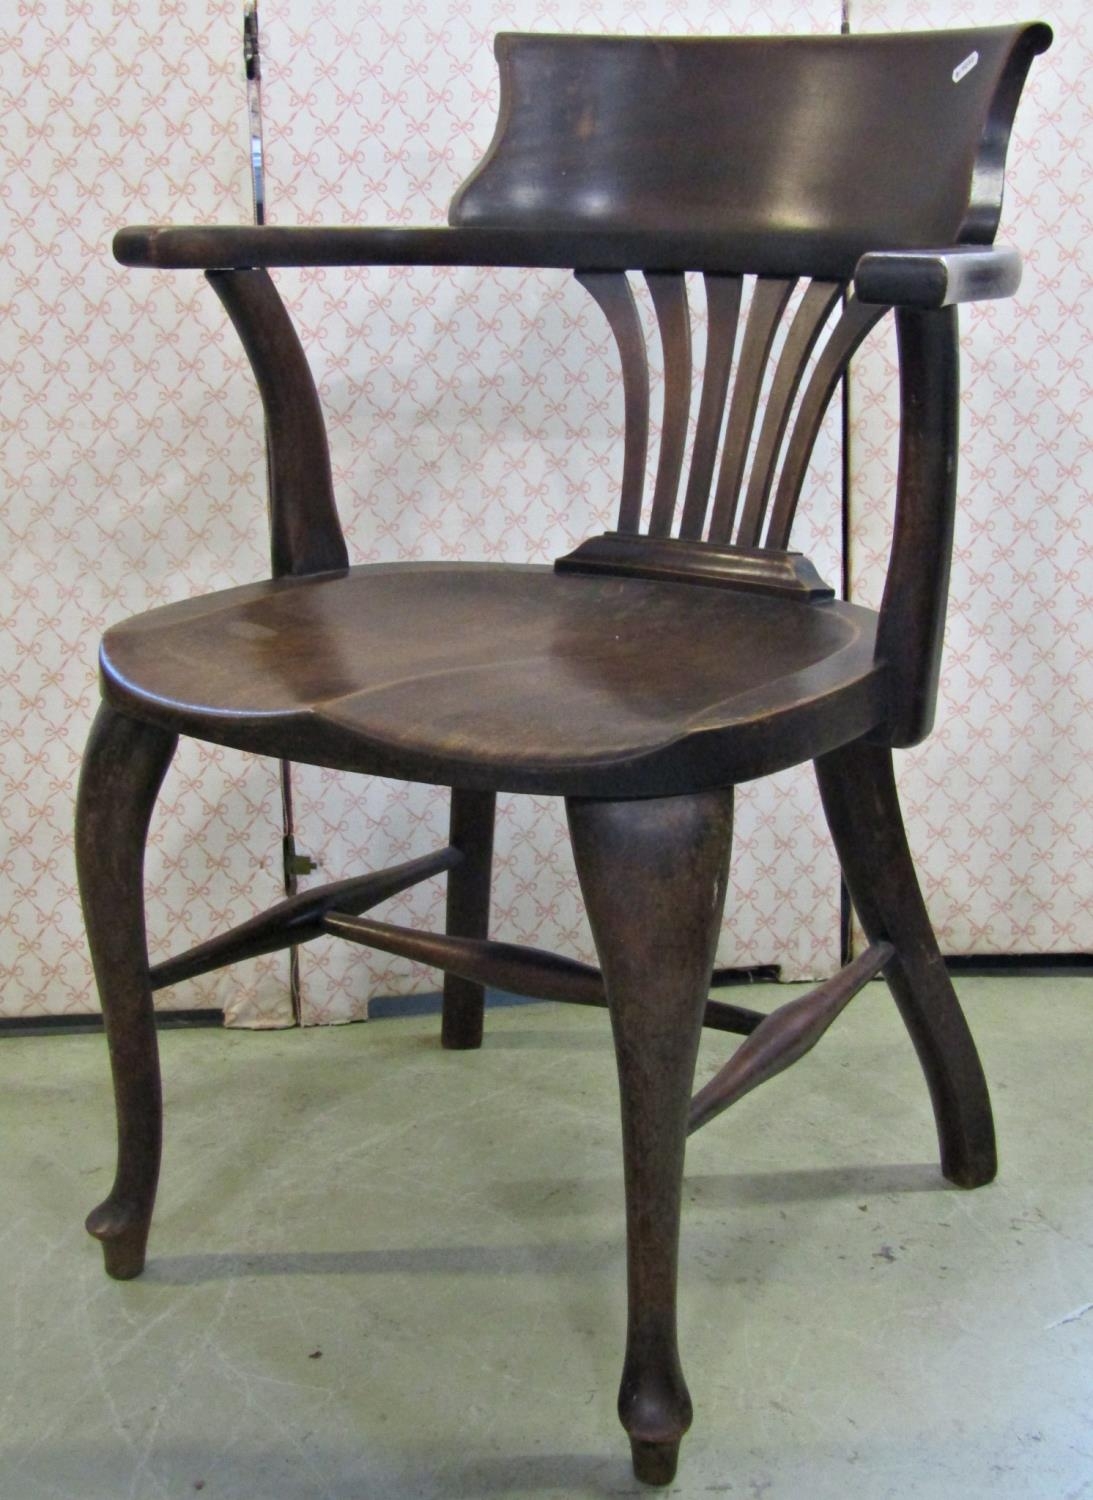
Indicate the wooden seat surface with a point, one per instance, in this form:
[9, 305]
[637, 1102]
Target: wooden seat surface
[505, 676]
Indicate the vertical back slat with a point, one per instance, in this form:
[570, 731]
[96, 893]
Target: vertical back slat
[856, 321]
[669, 292]
[613, 294]
[722, 316]
[767, 306]
[811, 316]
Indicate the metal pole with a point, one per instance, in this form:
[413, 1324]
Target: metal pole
[252, 65]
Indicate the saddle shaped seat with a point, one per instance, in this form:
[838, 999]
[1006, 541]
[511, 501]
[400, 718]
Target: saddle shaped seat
[509, 678]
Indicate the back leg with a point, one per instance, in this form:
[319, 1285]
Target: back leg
[123, 768]
[468, 914]
[859, 794]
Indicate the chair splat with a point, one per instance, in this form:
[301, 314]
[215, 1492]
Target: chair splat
[669, 293]
[812, 314]
[768, 303]
[856, 321]
[775, 461]
[722, 317]
[615, 298]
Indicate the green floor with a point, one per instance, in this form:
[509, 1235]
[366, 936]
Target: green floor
[380, 1270]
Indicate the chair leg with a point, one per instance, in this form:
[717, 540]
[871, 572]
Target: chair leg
[468, 915]
[123, 767]
[859, 794]
[653, 875]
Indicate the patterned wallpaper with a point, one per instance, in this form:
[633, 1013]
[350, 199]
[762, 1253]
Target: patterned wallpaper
[999, 800]
[130, 467]
[469, 417]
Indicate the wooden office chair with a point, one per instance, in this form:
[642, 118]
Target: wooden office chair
[656, 666]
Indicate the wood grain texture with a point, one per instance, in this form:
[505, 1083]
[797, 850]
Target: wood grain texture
[506, 678]
[751, 570]
[804, 332]
[911, 629]
[768, 302]
[299, 918]
[123, 767]
[938, 278]
[841, 135]
[305, 532]
[722, 316]
[614, 296]
[785, 1036]
[467, 913]
[655, 936]
[829, 369]
[674, 322]
[859, 794]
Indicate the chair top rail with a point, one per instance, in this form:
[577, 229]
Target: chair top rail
[879, 139]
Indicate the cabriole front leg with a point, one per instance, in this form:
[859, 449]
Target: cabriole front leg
[123, 768]
[653, 876]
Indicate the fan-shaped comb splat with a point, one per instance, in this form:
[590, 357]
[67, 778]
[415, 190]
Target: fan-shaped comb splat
[768, 303]
[615, 298]
[722, 316]
[669, 292]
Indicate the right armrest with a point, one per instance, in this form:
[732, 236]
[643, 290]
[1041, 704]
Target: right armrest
[931, 279]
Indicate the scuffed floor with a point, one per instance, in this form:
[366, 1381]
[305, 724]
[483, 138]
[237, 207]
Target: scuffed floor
[379, 1270]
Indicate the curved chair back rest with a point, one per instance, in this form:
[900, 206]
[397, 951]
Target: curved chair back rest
[836, 145]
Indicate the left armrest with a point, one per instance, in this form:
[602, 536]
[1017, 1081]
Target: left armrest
[247, 246]
[224, 247]
[937, 278]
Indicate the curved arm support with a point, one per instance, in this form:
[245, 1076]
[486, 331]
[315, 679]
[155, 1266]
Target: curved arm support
[305, 533]
[937, 278]
[912, 614]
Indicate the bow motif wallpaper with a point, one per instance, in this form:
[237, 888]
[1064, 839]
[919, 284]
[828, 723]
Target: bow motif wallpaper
[469, 417]
[131, 468]
[999, 800]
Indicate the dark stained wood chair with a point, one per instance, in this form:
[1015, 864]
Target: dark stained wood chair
[655, 667]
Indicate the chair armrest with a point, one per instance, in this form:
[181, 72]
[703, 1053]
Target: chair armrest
[937, 278]
[237, 247]
[227, 247]
[244, 246]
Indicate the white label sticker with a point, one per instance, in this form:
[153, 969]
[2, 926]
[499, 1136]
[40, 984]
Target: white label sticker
[963, 69]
